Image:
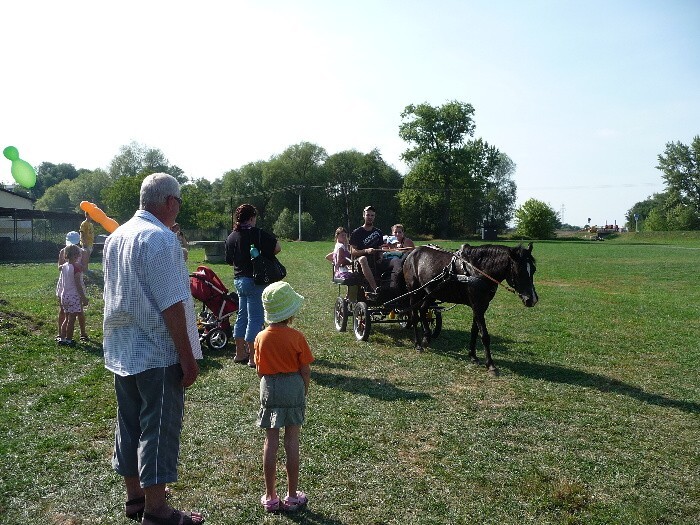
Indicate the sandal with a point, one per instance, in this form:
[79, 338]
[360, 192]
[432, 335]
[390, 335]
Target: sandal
[243, 360]
[271, 505]
[137, 505]
[176, 518]
[295, 503]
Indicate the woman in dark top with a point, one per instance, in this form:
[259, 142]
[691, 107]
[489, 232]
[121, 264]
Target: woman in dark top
[250, 308]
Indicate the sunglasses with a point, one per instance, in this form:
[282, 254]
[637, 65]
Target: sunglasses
[178, 199]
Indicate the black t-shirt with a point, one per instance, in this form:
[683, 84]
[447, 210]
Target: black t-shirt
[361, 238]
[238, 246]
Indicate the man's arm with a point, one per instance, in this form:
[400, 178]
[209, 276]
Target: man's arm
[175, 321]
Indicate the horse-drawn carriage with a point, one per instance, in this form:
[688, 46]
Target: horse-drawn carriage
[367, 308]
[432, 276]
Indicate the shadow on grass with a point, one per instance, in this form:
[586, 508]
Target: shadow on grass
[455, 344]
[375, 388]
[311, 518]
[560, 374]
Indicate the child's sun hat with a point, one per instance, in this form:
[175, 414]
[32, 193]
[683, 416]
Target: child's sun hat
[280, 302]
[72, 238]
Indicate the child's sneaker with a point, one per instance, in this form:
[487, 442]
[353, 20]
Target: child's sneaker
[271, 505]
[293, 504]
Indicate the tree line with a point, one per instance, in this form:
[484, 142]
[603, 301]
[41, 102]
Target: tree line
[455, 183]
[454, 186]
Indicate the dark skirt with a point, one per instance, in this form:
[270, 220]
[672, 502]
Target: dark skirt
[282, 400]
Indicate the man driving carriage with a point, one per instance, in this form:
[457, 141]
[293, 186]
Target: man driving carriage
[366, 245]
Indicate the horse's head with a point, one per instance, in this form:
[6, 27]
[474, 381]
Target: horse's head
[521, 274]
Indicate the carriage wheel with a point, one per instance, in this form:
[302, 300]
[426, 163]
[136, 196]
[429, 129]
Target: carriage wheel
[434, 322]
[341, 314]
[361, 321]
[217, 339]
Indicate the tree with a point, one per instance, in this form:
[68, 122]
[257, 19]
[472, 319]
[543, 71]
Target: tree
[138, 159]
[536, 220]
[680, 165]
[287, 225]
[56, 198]
[436, 136]
[48, 174]
[88, 186]
[664, 211]
[500, 194]
[122, 198]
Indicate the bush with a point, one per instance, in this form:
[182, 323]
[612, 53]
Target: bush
[536, 220]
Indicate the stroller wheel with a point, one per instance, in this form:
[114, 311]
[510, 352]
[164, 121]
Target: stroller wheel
[217, 339]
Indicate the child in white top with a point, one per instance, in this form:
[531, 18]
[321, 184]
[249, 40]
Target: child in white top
[70, 293]
[340, 256]
[73, 237]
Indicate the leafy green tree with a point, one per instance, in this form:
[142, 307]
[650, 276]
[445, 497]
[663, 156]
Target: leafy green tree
[680, 165]
[48, 174]
[122, 198]
[295, 174]
[656, 221]
[500, 191]
[56, 198]
[198, 210]
[245, 185]
[643, 208]
[437, 136]
[138, 159]
[664, 211]
[536, 220]
[287, 225]
[88, 186]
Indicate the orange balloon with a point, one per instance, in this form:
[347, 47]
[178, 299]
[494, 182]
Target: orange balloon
[97, 215]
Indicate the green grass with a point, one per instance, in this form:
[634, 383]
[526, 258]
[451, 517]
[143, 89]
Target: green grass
[595, 418]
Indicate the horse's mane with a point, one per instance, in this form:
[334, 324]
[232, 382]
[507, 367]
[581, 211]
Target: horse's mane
[489, 254]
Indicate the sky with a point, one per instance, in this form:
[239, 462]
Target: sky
[582, 95]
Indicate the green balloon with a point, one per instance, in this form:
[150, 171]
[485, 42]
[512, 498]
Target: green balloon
[21, 170]
[23, 173]
[11, 153]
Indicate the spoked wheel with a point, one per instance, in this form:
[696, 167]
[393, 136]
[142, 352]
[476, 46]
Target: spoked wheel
[361, 321]
[217, 339]
[434, 322]
[341, 314]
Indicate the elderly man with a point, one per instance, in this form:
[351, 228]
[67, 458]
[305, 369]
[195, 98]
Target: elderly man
[151, 345]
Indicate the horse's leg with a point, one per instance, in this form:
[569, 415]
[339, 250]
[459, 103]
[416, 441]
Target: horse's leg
[424, 323]
[486, 340]
[472, 341]
[416, 324]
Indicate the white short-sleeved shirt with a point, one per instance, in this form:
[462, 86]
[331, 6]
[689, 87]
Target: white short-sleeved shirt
[144, 274]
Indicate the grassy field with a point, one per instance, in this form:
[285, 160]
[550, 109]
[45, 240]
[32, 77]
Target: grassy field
[595, 418]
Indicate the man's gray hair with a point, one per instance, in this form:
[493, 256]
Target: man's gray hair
[156, 188]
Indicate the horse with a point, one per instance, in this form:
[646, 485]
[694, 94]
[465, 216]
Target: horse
[471, 275]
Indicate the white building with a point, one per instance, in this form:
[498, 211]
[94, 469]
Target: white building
[10, 226]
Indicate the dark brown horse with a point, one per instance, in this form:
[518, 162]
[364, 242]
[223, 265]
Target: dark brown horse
[471, 275]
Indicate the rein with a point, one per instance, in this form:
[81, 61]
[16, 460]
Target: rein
[456, 257]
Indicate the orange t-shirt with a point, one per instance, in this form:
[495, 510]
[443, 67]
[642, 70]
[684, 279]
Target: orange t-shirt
[281, 349]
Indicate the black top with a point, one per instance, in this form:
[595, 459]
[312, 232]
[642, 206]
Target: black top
[238, 249]
[361, 238]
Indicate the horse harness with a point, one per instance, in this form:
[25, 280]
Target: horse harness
[450, 271]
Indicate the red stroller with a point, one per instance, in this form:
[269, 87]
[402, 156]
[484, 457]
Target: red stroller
[218, 306]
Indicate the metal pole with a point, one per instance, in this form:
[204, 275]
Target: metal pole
[299, 214]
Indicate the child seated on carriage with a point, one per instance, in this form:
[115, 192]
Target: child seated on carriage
[340, 256]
